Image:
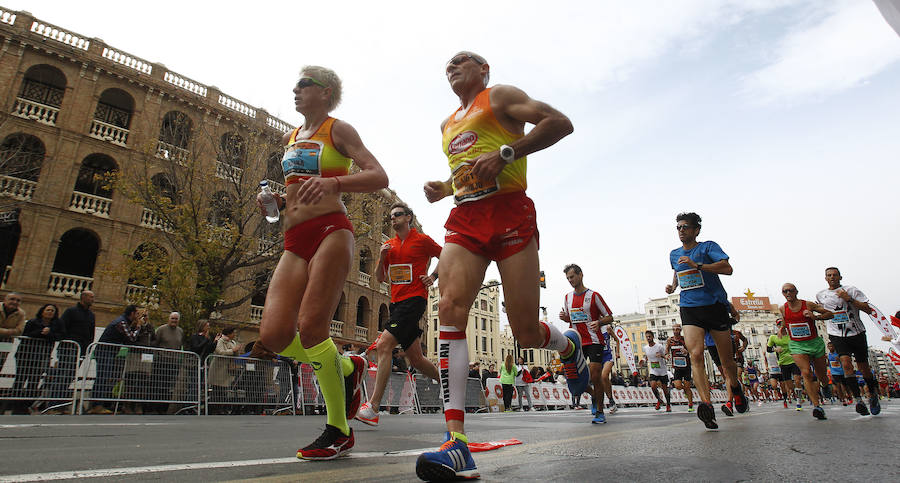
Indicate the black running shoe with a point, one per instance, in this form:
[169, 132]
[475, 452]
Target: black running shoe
[707, 414]
[727, 410]
[740, 401]
[861, 408]
[819, 413]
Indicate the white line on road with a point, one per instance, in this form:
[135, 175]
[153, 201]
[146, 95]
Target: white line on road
[47, 425]
[109, 472]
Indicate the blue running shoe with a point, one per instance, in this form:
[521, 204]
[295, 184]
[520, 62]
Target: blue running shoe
[594, 408]
[452, 461]
[599, 418]
[874, 405]
[575, 367]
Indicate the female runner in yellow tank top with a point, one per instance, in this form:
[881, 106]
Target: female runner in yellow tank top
[308, 281]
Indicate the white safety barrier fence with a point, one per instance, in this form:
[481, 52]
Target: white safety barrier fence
[38, 374]
[243, 384]
[399, 393]
[128, 378]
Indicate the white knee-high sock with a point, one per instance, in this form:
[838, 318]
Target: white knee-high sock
[453, 354]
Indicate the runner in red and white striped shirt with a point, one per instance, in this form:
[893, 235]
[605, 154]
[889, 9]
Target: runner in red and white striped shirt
[586, 311]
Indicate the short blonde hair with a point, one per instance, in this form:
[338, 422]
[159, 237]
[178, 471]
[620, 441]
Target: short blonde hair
[327, 77]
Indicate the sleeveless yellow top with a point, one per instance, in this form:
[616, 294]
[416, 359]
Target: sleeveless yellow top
[313, 157]
[477, 132]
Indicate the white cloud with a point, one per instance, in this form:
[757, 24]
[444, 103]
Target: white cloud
[849, 45]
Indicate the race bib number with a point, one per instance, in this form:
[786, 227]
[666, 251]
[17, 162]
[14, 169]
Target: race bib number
[578, 315]
[302, 159]
[679, 361]
[468, 187]
[775, 370]
[799, 331]
[835, 364]
[400, 273]
[654, 365]
[840, 318]
[690, 279]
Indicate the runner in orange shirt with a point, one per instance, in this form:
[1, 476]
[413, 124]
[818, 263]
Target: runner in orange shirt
[404, 261]
[486, 146]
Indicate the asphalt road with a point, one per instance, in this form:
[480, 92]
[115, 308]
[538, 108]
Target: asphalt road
[637, 444]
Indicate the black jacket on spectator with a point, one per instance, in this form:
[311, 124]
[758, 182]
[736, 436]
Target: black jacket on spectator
[36, 349]
[79, 325]
[119, 332]
[202, 346]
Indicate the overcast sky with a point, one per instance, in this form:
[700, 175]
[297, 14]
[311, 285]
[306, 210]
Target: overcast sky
[776, 120]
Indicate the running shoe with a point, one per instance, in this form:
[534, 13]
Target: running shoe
[690, 408]
[353, 385]
[707, 414]
[785, 403]
[599, 418]
[330, 445]
[740, 401]
[819, 413]
[450, 462]
[367, 415]
[861, 408]
[668, 408]
[874, 405]
[799, 407]
[613, 408]
[593, 408]
[726, 409]
[575, 367]
[657, 405]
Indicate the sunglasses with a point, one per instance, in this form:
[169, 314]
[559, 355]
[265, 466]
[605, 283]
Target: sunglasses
[398, 214]
[789, 290]
[684, 227]
[309, 81]
[463, 57]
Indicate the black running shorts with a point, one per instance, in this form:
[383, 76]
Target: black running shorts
[682, 374]
[710, 317]
[855, 345]
[404, 321]
[663, 379]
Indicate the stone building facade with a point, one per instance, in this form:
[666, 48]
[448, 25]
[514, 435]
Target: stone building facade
[75, 109]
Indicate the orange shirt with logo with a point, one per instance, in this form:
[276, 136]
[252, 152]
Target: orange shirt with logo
[406, 261]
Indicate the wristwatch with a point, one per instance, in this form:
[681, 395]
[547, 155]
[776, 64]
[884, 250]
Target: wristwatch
[507, 153]
[699, 266]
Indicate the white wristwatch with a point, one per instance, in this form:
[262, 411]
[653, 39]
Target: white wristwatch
[507, 153]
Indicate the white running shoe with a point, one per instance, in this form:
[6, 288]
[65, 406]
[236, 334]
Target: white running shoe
[367, 415]
[612, 409]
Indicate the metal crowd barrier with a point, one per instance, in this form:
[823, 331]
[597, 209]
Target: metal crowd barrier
[117, 374]
[399, 392]
[237, 382]
[428, 394]
[39, 372]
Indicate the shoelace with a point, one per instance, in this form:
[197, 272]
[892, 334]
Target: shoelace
[571, 371]
[447, 444]
[324, 439]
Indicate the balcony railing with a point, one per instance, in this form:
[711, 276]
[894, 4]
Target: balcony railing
[336, 329]
[227, 171]
[65, 285]
[172, 152]
[256, 313]
[20, 189]
[109, 133]
[141, 295]
[385, 288]
[35, 111]
[153, 220]
[276, 187]
[5, 278]
[364, 278]
[361, 333]
[90, 204]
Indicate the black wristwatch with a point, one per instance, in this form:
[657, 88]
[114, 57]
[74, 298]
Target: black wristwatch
[699, 266]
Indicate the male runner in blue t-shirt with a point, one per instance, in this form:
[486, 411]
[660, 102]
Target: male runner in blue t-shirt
[703, 302]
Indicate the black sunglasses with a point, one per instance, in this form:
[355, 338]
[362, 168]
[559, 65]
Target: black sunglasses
[309, 81]
[398, 214]
[683, 227]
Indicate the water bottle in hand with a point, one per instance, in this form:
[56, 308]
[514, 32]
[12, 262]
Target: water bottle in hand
[269, 202]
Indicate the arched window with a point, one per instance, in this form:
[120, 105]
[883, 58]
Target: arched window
[176, 129]
[365, 260]
[232, 149]
[92, 177]
[44, 84]
[115, 107]
[384, 316]
[339, 311]
[21, 156]
[362, 312]
[77, 253]
[9, 242]
[149, 259]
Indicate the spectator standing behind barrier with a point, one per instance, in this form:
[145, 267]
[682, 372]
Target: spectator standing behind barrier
[166, 365]
[138, 368]
[12, 322]
[79, 327]
[203, 345]
[220, 378]
[33, 354]
[475, 370]
[523, 383]
[490, 372]
[507, 379]
[109, 364]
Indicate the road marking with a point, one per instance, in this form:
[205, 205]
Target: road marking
[48, 425]
[109, 472]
